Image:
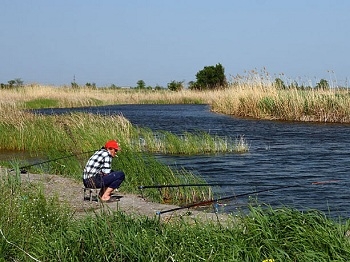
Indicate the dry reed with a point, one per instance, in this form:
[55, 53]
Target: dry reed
[255, 97]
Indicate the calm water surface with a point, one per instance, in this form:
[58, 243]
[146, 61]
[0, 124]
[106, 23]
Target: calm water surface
[281, 153]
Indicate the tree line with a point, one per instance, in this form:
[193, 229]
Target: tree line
[209, 78]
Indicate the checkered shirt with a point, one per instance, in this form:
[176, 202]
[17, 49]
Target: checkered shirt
[99, 163]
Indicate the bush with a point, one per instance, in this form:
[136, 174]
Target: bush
[175, 85]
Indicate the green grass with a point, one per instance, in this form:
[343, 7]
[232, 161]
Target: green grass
[164, 142]
[41, 103]
[33, 225]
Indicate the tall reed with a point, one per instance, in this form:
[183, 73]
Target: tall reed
[269, 102]
[84, 96]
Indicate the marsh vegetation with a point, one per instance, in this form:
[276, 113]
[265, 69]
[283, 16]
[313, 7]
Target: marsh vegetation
[44, 229]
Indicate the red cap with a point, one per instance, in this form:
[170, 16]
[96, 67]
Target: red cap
[112, 144]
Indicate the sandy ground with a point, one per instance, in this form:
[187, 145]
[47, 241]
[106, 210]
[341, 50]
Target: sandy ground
[71, 192]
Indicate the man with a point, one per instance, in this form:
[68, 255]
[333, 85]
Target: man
[98, 173]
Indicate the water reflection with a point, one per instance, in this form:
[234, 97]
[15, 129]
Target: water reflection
[17, 156]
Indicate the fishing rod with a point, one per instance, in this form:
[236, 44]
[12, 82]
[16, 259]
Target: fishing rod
[207, 202]
[159, 187]
[24, 171]
[188, 185]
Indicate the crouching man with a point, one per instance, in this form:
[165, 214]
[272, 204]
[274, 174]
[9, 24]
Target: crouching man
[98, 171]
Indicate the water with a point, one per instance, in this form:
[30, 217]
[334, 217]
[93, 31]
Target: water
[281, 153]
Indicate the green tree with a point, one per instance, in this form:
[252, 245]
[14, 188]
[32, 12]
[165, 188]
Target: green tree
[323, 84]
[175, 85]
[210, 77]
[141, 84]
[17, 82]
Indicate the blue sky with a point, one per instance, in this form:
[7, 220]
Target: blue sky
[120, 42]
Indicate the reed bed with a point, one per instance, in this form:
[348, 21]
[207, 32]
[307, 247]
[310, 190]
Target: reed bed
[254, 95]
[188, 143]
[293, 104]
[32, 95]
[36, 228]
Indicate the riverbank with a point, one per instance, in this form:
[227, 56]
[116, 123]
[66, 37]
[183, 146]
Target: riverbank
[70, 192]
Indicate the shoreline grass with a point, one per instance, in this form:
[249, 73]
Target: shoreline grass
[34, 227]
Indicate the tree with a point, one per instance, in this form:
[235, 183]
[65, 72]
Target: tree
[141, 84]
[175, 85]
[210, 77]
[323, 84]
[17, 82]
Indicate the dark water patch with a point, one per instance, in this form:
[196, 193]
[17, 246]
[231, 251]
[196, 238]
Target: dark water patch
[18, 156]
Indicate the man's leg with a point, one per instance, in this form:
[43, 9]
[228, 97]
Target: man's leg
[112, 181]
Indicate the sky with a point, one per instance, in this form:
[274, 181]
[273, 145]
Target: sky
[56, 42]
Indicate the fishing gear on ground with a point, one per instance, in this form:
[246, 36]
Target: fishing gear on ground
[141, 188]
[215, 201]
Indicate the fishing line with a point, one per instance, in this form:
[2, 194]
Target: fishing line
[24, 171]
[204, 203]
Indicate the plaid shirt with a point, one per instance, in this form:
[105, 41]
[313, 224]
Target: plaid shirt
[99, 163]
